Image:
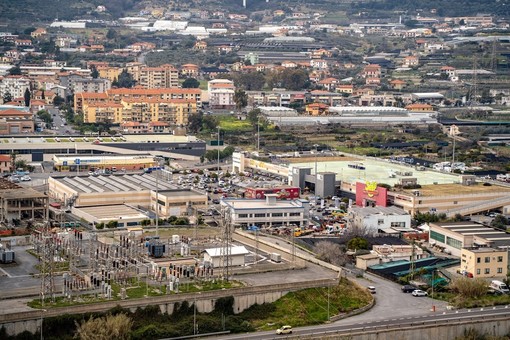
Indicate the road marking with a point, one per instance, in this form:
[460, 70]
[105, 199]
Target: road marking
[6, 273]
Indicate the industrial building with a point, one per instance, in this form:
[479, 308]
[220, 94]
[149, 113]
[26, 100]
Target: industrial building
[113, 163]
[38, 149]
[268, 212]
[217, 256]
[454, 236]
[106, 192]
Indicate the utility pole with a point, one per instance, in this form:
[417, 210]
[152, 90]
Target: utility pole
[218, 153]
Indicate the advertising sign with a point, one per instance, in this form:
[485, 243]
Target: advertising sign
[370, 194]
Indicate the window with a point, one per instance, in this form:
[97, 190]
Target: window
[487, 259]
[260, 215]
[487, 270]
[277, 215]
[243, 215]
[453, 242]
[398, 224]
[437, 236]
[295, 214]
[379, 222]
[478, 260]
[500, 270]
[478, 272]
[500, 258]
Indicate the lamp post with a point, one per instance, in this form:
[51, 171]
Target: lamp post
[258, 135]
[316, 146]
[218, 153]
[158, 159]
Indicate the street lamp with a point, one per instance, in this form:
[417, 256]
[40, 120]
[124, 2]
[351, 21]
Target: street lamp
[158, 159]
[218, 145]
[316, 146]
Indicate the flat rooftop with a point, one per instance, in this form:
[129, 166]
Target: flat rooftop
[260, 204]
[496, 237]
[112, 212]
[182, 193]
[114, 183]
[21, 193]
[456, 189]
[377, 170]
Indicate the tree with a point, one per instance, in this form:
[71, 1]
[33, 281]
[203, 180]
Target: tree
[111, 34]
[45, 116]
[13, 156]
[125, 80]
[57, 101]
[195, 122]
[15, 71]
[209, 123]
[253, 117]
[94, 73]
[241, 99]
[251, 81]
[469, 288]
[330, 252]
[109, 327]
[500, 222]
[191, 83]
[27, 97]
[357, 243]
[7, 97]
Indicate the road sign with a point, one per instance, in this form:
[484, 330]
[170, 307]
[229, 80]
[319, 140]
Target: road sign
[64, 163]
[77, 161]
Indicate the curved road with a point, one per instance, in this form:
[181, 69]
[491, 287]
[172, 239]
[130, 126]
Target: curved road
[430, 320]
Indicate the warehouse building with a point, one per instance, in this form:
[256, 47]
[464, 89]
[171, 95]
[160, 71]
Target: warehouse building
[452, 237]
[80, 162]
[105, 193]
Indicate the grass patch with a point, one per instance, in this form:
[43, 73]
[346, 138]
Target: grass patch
[50, 140]
[309, 306]
[232, 124]
[463, 302]
[137, 290]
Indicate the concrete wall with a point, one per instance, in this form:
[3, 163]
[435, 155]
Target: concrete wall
[244, 298]
[452, 329]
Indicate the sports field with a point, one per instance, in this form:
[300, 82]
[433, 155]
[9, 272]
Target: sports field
[379, 171]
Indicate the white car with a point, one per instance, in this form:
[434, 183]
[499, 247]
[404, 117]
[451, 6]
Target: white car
[25, 178]
[284, 330]
[418, 292]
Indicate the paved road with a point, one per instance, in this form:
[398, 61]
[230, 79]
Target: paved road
[476, 315]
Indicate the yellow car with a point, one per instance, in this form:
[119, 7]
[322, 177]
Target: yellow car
[284, 330]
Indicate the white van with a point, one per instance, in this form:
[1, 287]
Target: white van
[499, 286]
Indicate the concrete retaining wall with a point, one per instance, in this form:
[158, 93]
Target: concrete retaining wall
[244, 298]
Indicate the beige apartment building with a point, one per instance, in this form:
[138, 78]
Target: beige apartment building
[484, 262]
[164, 76]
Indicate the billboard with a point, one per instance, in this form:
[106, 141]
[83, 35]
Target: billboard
[370, 194]
[289, 193]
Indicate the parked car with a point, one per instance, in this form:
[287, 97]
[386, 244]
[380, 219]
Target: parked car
[284, 330]
[216, 201]
[419, 292]
[371, 289]
[408, 289]
[25, 178]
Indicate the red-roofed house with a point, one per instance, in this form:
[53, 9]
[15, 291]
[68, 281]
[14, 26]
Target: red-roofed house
[317, 109]
[13, 121]
[37, 105]
[420, 108]
[329, 84]
[397, 84]
[5, 163]
[371, 71]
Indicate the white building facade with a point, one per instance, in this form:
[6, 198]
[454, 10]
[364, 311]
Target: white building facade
[269, 212]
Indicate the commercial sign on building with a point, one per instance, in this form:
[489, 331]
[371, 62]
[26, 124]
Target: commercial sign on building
[370, 194]
[283, 193]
